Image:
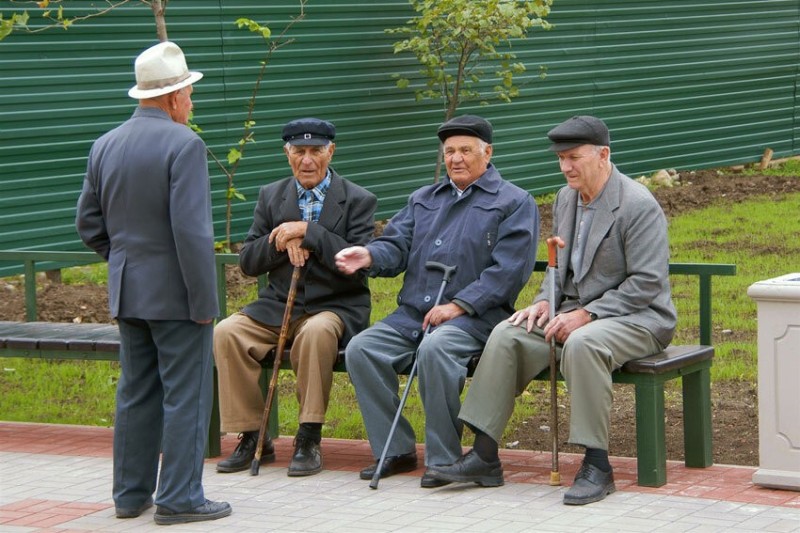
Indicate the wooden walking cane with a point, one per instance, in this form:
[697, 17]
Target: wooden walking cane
[552, 265]
[273, 382]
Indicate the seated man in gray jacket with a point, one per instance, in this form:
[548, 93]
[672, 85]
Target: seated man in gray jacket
[612, 302]
[488, 228]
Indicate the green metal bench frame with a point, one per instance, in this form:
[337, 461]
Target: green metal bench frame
[691, 362]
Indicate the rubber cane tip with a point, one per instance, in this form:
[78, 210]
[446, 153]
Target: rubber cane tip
[254, 467]
[373, 484]
[555, 479]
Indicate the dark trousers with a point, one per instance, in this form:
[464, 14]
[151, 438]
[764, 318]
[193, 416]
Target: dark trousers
[164, 400]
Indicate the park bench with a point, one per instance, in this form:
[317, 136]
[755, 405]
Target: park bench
[692, 363]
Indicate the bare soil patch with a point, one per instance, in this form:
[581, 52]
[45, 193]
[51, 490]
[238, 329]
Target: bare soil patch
[734, 403]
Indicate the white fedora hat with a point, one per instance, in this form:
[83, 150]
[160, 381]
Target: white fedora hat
[161, 69]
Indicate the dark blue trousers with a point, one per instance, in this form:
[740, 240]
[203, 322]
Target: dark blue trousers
[164, 400]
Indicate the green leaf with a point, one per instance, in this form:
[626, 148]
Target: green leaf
[233, 156]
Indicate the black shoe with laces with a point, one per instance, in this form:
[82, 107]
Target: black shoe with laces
[242, 457]
[591, 485]
[469, 468]
[208, 511]
[307, 458]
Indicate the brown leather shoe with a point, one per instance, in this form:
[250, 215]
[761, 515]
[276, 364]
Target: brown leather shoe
[395, 464]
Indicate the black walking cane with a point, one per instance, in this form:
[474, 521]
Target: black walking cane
[552, 265]
[447, 273]
[276, 365]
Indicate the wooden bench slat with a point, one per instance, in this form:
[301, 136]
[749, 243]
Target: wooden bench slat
[673, 358]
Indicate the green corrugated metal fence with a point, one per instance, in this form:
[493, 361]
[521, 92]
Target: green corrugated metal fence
[681, 84]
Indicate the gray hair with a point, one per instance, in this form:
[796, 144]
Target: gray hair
[327, 145]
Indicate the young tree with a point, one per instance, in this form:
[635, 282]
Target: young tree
[52, 13]
[236, 153]
[456, 40]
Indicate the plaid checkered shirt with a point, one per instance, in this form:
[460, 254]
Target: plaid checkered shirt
[310, 201]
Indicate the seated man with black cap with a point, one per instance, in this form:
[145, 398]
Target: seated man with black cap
[612, 303]
[485, 226]
[299, 221]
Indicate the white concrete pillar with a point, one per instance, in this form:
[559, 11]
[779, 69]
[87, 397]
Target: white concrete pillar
[778, 301]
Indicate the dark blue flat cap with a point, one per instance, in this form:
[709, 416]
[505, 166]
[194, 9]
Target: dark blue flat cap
[577, 131]
[309, 132]
[471, 125]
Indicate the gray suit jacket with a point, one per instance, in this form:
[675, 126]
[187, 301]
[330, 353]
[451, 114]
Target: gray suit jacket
[146, 208]
[625, 269]
[347, 219]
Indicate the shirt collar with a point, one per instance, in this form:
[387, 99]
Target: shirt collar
[319, 191]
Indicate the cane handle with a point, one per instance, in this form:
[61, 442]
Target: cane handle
[552, 242]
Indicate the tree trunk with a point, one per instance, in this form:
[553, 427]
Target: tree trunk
[158, 8]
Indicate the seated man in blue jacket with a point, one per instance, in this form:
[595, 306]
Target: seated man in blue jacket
[488, 228]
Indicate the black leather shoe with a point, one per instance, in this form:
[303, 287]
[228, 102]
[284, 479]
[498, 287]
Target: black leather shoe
[469, 468]
[242, 457]
[395, 464]
[133, 512]
[208, 511]
[307, 459]
[428, 481]
[591, 485]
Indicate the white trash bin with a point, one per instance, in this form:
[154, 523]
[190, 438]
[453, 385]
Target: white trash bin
[778, 301]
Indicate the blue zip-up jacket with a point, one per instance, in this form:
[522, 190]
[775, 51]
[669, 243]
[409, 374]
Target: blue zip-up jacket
[490, 233]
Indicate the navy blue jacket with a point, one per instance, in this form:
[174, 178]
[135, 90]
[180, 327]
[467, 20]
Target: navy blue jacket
[490, 233]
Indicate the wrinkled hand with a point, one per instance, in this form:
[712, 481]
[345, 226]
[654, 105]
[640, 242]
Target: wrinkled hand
[564, 324]
[297, 254]
[286, 232]
[537, 314]
[354, 258]
[441, 314]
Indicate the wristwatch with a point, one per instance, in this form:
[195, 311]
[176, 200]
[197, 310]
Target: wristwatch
[592, 316]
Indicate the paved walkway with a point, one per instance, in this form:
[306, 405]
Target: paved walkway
[58, 478]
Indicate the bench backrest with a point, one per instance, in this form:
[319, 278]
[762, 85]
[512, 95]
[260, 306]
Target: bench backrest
[33, 258]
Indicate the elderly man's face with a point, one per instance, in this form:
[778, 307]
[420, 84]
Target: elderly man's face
[466, 158]
[584, 166]
[309, 163]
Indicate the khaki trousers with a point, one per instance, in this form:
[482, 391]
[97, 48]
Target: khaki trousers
[240, 343]
[513, 357]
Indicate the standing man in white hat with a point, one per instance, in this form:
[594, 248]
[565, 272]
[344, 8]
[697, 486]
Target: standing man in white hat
[146, 208]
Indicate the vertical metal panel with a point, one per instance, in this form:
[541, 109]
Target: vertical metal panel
[681, 84]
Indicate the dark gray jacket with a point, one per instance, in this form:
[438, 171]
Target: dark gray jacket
[347, 219]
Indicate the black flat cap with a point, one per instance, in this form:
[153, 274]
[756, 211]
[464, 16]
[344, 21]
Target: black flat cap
[309, 132]
[579, 130]
[471, 125]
